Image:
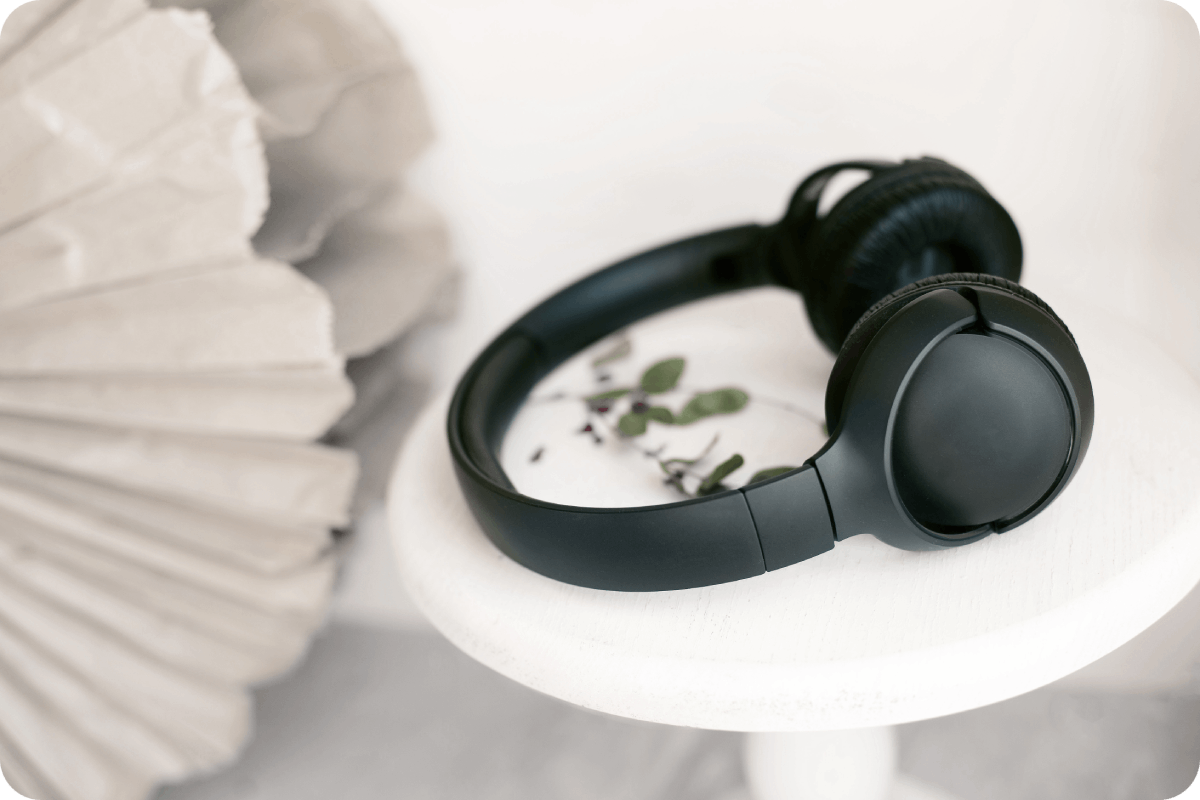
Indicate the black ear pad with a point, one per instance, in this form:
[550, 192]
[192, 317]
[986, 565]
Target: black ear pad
[877, 316]
[918, 219]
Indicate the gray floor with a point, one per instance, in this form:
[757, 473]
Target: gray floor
[377, 713]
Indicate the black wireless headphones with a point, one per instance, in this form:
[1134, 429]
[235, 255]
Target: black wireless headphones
[959, 404]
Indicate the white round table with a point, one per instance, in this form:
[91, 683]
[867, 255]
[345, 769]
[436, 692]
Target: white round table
[822, 656]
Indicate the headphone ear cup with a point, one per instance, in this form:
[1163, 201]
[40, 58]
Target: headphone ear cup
[916, 220]
[877, 316]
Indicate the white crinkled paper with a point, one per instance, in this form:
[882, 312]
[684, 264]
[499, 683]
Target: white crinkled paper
[164, 510]
[342, 118]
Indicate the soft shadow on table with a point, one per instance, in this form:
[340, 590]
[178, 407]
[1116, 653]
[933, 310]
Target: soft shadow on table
[379, 713]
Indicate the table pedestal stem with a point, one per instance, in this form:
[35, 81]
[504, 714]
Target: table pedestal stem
[858, 764]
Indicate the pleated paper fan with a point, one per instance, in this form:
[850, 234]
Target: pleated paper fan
[342, 120]
[164, 510]
[343, 117]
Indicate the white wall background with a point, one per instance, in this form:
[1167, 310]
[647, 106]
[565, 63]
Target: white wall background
[573, 133]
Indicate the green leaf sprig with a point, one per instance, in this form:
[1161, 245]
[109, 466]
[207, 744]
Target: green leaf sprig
[660, 378]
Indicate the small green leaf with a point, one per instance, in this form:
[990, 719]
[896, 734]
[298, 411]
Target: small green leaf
[677, 467]
[687, 462]
[622, 350]
[763, 474]
[663, 376]
[611, 394]
[712, 484]
[632, 424]
[661, 414]
[722, 401]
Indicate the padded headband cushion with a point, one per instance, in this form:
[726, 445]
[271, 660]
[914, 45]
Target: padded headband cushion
[877, 316]
[918, 219]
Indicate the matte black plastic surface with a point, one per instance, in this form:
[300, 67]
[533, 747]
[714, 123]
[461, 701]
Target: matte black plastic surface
[854, 465]
[791, 517]
[1049, 337]
[648, 549]
[859, 465]
[508, 370]
[982, 432]
[679, 545]
[691, 269]
[864, 331]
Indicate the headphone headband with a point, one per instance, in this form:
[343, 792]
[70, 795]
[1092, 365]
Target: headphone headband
[679, 545]
[808, 194]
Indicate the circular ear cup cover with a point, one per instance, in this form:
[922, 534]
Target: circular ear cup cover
[918, 219]
[877, 316]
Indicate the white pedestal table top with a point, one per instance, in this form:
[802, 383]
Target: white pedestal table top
[862, 636]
